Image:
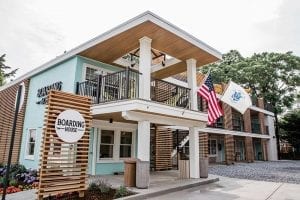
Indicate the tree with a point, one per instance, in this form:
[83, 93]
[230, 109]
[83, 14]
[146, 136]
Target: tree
[272, 76]
[290, 128]
[5, 75]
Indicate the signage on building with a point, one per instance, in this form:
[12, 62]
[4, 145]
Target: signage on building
[70, 126]
[43, 92]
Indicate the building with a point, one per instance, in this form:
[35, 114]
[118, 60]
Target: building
[137, 103]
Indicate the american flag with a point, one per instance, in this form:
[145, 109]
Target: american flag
[206, 90]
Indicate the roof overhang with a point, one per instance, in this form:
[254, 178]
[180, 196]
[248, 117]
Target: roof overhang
[114, 43]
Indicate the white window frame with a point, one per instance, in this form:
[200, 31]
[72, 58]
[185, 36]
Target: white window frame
[116, 148]
[100, 69]
[27, 156]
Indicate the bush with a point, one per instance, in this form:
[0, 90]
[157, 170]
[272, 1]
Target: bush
[122, 192]
[100, 185]
[13, 182]
[27, 177]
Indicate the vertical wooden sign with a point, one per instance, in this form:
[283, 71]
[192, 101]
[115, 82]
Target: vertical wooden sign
[64, 165]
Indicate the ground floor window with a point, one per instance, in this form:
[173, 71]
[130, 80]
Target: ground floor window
[30, 144]
[115, 144]
[106, 144]
[212, 147]
[125, 144]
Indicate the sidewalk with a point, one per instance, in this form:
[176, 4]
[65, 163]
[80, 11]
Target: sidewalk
[161, 182]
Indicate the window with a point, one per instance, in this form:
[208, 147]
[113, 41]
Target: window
[125, 144]
[30, 144]
[237, 122]
[90, 72]
[212, 147]
[115, 144]
[107, 144]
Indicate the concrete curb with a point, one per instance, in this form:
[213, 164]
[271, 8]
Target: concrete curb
[169, 190]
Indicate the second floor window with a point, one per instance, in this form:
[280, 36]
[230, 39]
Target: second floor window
[237, 122]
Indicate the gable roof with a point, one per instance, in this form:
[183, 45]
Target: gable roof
[143, 18]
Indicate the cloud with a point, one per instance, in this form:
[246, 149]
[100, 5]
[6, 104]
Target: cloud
[282, 33]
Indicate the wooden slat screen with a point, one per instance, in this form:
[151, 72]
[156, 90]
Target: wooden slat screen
[63, 166]
[7, 103]
[229, 149]
[163, 148]
[203, 145]
[249, 149]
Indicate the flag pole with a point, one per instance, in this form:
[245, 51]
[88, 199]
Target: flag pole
[203, 80]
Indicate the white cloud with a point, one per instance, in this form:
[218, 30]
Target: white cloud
[34, 31]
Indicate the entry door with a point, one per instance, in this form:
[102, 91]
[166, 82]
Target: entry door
[258, 150]
[221, 151]
[240, 150]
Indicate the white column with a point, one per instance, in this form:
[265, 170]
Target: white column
[271, 143]
[143, 146]
[192, 82]
[145, 68]
[194, 153]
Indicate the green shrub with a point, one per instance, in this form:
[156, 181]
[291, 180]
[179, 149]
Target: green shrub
[100, 185]
[121, 192]
[13, 182]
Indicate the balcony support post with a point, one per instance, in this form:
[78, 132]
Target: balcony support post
[192, 82]
[145, 68]
[194, 153]
[99, 81]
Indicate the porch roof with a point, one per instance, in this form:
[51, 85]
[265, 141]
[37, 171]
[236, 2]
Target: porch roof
[165, 36]
[118, 41]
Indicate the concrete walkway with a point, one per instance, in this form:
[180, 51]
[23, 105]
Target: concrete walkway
[237, 189]
[161, 182]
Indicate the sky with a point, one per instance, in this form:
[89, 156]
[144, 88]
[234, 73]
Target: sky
[36, 31]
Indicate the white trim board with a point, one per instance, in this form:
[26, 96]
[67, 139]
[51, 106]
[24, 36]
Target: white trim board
[146, 16]
[223, 132]
[149, 107]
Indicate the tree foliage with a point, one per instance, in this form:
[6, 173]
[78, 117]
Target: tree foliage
[290, 128]
[3, 68]
[273, 76]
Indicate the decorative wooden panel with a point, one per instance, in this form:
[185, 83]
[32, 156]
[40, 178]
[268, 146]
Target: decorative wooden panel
[249, 149]
[63, 166]
[264, 149]
[203, 145]
[229, 149]
[163, 148]
[7, 103]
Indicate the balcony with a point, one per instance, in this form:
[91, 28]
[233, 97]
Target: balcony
[124, 85]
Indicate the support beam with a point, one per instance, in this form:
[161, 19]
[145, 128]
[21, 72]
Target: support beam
[271, 143]
[143, 141]
[145, 68]
[194, 153]
[192, 82]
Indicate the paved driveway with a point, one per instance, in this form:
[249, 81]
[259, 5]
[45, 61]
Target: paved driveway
[279, 171]
[237, 189]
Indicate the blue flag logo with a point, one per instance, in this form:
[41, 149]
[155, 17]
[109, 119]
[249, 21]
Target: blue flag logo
[236, 96]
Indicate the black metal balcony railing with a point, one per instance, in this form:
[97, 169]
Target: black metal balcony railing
[125, 85]
[170, 94]
[116, 86]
